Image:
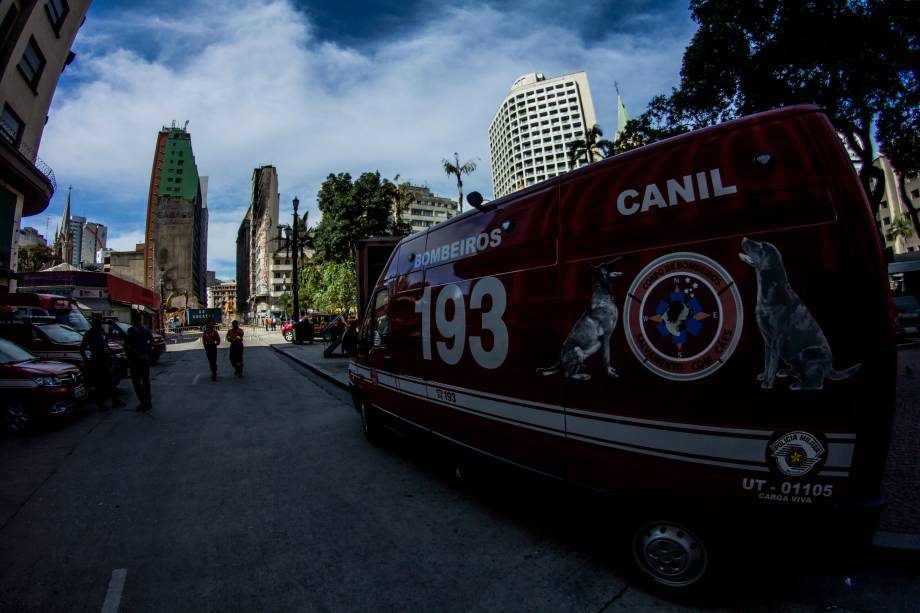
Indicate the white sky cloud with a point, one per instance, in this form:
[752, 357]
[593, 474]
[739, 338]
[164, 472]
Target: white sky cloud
[258, 87]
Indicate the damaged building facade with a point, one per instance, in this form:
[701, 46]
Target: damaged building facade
[255, 244]
[175, 246]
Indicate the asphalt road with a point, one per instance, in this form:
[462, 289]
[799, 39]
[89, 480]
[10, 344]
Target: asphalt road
[261, 494]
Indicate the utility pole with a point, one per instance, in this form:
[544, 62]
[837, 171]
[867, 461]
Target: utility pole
[295, 282]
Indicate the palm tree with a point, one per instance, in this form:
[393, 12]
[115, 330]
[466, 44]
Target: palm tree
[455, 169]
[901, 227]
[588, 146]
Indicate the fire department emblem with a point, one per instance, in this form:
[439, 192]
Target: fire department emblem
[683, 316]
[796, 453]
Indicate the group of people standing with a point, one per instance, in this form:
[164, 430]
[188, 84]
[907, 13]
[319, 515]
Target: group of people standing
[270, 322]
[138, 346]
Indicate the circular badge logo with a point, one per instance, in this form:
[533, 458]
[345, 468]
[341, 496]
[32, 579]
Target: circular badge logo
[683, 316]
[796, 453]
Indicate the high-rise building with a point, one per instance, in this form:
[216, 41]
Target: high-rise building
[243, 243]
[74, 226]
[35, 41]
[424, 209]
[263, 219]
[175, 252]
[533, 126]
[93, 240]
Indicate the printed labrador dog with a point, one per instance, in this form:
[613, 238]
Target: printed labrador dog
[592, 331]
[790, 332]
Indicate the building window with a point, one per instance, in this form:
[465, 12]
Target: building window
[32, 64]
[11, 126]
[57, 11]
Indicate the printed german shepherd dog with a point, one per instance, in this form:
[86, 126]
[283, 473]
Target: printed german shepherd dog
[789, 330]
[592, 331]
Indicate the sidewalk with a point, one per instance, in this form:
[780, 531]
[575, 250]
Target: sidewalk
[899, 525]
[334, 368]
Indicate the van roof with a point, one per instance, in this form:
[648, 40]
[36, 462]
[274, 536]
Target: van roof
[788, 111]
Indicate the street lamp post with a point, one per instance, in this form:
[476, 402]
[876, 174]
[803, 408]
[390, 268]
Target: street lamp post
[295, 285]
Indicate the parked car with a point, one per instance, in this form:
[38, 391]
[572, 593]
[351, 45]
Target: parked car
[59, 342]
[116, 330]
[34, 389]
[336, 328]
[908, 318]
[319, 321]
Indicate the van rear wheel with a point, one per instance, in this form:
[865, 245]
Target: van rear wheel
[670, 556]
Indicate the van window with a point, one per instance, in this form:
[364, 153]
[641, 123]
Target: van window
[380, 324]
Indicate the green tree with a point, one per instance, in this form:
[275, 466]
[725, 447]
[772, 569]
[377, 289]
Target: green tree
[352, 211]
[328, 286]
[284, 301]
[33, 258]
[857, 59]
[588, 146]
[456, 169]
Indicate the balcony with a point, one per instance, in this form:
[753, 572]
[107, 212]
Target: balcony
[28, 174]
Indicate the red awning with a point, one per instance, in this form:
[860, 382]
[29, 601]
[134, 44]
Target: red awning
[127, 292]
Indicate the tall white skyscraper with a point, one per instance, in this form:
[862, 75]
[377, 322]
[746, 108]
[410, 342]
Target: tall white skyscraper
[529, 135]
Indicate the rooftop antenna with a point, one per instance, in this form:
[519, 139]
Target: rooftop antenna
[185, 127]
[616, 86]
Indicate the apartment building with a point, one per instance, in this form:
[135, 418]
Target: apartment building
[893, 208]
[35, 42]
[530, 133]
[424, 209]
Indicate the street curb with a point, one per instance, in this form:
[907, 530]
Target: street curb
[322, 372]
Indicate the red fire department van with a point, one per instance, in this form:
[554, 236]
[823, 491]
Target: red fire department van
[701, 325]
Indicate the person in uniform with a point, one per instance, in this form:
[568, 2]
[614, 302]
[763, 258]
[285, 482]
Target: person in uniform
[211, 339]
[139, 346]
[95, 352]
[235, 338]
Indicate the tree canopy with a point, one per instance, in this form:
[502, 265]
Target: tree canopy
[857, 59]
[588, 146]
[328, 286]
[353, 210]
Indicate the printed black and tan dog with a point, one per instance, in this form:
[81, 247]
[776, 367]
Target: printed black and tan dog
[593, 329]
[790, 332]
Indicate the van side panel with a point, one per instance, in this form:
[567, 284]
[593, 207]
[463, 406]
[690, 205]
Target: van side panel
[687, 412]
[502, 283]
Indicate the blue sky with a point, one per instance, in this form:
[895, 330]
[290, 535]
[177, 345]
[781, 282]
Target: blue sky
[315, 88]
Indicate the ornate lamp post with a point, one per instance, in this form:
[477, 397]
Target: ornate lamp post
[293, 240]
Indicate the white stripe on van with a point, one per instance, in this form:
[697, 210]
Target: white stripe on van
[740, 448]
[671, 456]
[703, 445]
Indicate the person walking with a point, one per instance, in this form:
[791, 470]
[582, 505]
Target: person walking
[95, 352]
[235, 338]
[139, 346]
[211, 339]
